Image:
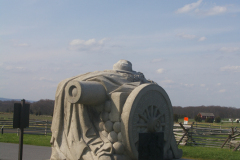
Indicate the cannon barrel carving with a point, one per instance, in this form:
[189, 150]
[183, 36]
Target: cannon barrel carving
[86, 92]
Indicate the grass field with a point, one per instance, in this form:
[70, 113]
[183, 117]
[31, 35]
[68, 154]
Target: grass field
[37, 140]
[189, 152]
[206, 153]
[7, 116]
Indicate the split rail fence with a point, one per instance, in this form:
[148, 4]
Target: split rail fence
[195, 134]
[35, 127]
[206, 135]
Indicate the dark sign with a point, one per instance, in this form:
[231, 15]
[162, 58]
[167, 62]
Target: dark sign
[21, 115]
[17, 115]
[21, 121]
[151, 146]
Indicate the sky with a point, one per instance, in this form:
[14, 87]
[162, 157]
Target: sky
[190, 47]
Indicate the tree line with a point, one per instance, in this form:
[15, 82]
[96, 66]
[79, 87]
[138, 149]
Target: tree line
[41, 107]
[46, 106]
[218, 111]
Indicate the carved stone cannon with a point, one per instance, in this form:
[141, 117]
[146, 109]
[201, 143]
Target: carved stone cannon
[101, 115]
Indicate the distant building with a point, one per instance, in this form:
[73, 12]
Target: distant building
[206, 115]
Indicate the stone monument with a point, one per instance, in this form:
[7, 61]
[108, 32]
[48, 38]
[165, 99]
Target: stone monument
[99, 115]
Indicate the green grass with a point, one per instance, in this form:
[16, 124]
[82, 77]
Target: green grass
[206, 153]
[189, 152]
[37, 140]
[8, 116]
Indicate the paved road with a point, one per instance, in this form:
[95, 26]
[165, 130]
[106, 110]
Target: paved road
[9, 151]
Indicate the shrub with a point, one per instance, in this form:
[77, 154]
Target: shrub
[198, 118]
[209, 120]
[218, 119]
[175, 117]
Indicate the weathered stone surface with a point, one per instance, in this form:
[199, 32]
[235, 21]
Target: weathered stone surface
[99, 108]
[119, 137]
[101, 113]
[105, 133]
[104, 116]
[117, 127]
[112, 136]
[152, 104]
[101, 126]
[108, 126]
[90, 93]
[107, 106]
[118, 148]
[118, 100]
[120, 157]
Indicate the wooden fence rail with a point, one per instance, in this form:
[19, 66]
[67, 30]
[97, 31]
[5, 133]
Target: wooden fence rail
[195, 134]
[35, 127]
[207, 135]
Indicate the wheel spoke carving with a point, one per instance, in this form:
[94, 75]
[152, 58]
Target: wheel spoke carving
[146, 110]
[142, 116]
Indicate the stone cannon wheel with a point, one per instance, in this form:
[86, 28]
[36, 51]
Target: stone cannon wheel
[147, 109]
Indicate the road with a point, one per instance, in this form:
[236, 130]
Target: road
[9, 151]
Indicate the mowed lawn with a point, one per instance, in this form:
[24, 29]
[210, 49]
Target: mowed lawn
[8, 116]
[189, 152]
[37, 140]
[207, 153]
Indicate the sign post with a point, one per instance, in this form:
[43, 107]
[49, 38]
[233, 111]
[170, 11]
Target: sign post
[21, 121]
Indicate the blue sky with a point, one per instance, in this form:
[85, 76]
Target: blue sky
[191, 48]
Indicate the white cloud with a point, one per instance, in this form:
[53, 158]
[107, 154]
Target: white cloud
[229, 49]
[76, 42]
[160, 70]
[219, 84]
[222, 90]
[91, 44]
[156, 60]
[186, 36]
[15, 68]
[202, 39]
[230, 68]
[202, 85]
[211, 12]
[216, 10]
[191, 36]
[189, 7]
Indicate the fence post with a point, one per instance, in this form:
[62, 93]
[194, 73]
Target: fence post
[186, 133]
[46, 126]
[228, 139]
